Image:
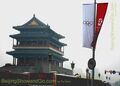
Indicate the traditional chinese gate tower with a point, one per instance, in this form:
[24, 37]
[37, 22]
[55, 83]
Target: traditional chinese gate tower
[33, 45]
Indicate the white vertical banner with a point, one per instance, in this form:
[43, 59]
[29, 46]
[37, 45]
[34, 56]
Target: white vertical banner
[88, 25]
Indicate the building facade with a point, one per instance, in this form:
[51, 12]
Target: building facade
[37, 49]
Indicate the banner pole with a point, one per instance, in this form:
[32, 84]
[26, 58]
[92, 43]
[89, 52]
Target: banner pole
[93, 50]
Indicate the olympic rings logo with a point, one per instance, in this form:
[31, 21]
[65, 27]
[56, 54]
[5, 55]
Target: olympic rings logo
[88, 23]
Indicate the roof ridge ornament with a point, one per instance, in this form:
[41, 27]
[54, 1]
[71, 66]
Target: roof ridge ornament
[48, 25]
[33, 15]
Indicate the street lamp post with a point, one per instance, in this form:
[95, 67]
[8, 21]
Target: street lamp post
[87, 73]
[99, 75]
[87, 76]
[72, 66]
[50, 61]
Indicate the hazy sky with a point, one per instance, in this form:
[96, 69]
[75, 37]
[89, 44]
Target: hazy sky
[64, 17]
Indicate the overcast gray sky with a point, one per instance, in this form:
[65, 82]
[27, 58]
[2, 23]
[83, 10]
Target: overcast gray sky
[64, 17]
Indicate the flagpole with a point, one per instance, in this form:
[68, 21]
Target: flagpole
[93, 50]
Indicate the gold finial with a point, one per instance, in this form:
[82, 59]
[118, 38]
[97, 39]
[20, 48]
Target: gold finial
[33, 23]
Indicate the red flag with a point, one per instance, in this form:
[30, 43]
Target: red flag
[101, 11]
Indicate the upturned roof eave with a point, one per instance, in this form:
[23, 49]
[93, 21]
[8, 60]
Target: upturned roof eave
[39, 25]
[34, 53]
